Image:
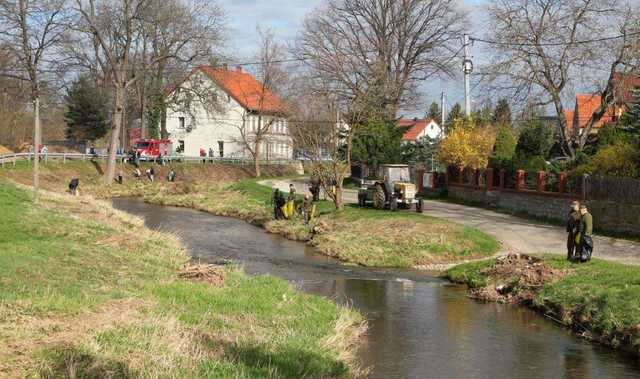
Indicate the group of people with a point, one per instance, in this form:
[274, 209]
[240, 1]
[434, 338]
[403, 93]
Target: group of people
[579, 233]
[287, 208]
[151, 175]
[203, 155]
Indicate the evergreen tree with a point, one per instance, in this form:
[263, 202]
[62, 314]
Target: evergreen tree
[377, 142]
[86, 115]
[435, 113]
[502, 113]
[630, 121]
[454, 114]
[504, 148]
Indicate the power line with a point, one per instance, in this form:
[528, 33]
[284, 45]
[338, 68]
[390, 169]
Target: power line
[529, 44]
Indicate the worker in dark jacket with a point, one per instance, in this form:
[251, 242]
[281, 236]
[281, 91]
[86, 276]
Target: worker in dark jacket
[573, 224]
[586, 233]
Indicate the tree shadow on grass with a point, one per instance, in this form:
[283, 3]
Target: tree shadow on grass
[70, 362]
[288, 362]
[98, 168]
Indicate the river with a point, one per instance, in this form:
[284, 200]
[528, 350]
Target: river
[419, 326]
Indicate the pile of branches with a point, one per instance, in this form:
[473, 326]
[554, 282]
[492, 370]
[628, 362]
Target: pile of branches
[204, 272]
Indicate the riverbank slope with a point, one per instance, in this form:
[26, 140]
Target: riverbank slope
[354, 235]
[598, 300]
[87, 291]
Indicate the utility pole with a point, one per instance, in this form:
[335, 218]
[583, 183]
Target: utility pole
[467, 68]
[442, 115]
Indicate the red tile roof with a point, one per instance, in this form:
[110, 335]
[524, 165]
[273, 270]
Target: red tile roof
[415, 127]
[243, 88]
[568, 114]
[585, 106]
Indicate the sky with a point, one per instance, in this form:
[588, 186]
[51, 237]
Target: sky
[285, 18]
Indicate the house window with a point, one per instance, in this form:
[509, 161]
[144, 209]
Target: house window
[228, 98]
[180, 148]
[221, 148]
[181, 122]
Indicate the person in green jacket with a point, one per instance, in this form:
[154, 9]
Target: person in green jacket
[573, 225]
[585, 234]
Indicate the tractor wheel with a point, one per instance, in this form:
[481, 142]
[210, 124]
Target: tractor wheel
[378, 197]
[393, 203]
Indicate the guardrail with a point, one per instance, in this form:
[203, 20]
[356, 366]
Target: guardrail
[12, 158]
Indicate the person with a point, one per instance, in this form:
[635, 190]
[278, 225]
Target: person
[137, 174]
[314, 188]
[585, 239]
[291, 201]
[151, 174]
[211, 154]
[278, 203]
[203, 155]
[308, 208]
[120, 178]
[171, 176]
[73, 186]
[573, 224]
[44, 151]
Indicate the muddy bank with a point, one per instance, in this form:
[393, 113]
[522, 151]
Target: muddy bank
[598, 301]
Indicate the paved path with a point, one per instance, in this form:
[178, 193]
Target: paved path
[516, 234]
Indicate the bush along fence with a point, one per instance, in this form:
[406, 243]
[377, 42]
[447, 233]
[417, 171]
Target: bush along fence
[614, 203]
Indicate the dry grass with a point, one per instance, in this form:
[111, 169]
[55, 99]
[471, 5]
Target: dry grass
[204, 272]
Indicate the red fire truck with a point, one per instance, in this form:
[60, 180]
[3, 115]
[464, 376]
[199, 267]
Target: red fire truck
[151, 149]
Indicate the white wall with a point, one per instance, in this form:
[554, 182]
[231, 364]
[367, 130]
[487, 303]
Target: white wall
[205, 130]
[432, 130]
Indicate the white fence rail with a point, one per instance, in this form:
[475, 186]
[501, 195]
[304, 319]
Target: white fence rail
[11, 159]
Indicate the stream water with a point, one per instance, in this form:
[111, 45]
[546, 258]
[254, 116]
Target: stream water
[419, 326]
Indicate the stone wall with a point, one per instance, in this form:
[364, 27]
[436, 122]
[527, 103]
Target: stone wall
[609, 216]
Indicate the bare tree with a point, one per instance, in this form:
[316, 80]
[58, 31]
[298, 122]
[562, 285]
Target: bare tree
[111, 26]
[543, 48]
[177, 34]
[387, 45]
[263, 108]
[30, 30]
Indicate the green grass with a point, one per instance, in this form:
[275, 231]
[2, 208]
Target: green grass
[87, 290]
[600, 296]
[378, 238]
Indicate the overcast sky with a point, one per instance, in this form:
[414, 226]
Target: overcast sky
[285, 17]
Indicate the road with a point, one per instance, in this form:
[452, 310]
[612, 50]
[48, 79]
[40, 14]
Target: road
[515, 234]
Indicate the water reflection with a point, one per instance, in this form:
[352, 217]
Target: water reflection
[420, 327]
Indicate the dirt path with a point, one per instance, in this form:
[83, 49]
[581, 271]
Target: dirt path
[515, 233]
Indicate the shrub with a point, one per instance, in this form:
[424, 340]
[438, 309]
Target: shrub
[466, 146]
[619, 159]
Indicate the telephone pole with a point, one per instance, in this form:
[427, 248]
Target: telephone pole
[467, 68]
[442, 115]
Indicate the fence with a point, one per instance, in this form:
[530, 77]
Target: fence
[11, 159]
[619, 190]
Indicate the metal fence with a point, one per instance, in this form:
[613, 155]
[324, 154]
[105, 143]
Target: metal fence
[619, 190]
[11, 159]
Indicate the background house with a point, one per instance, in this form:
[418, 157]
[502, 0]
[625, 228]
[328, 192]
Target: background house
[418, 128]
[217, 108]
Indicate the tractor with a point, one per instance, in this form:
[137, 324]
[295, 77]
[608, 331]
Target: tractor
[395, 190]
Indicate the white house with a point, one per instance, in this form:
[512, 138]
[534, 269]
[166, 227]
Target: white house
[418, 128]
[221, 109]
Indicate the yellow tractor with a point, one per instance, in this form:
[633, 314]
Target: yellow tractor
[393, 191]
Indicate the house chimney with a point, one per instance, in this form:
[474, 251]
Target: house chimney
[239, 68]
[225, 67]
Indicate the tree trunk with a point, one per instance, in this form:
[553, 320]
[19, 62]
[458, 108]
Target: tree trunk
[256, 157]
[163, 101]
[37, 140]
[115, 133]
[338, 200]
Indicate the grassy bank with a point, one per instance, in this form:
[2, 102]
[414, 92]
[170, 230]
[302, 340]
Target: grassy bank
[361, 236]
[599, 300]
[87, 291]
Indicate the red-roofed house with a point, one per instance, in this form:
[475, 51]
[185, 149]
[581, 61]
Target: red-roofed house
[418, 128]
[235, 102]
[586, 104]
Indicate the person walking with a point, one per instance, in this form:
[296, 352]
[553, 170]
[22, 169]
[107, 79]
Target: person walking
[573, 224]
[585, 234]
[211, 154]
[151, 174]
[171, 176]
[203, 155]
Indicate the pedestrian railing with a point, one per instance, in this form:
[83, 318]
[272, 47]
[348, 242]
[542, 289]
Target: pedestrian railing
[12, 158]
